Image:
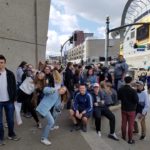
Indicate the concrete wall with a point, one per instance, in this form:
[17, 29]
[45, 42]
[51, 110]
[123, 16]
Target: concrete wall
[18, 30]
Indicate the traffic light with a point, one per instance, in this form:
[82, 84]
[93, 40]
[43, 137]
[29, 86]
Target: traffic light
[135, 45]
[139, 46]
[71, 40]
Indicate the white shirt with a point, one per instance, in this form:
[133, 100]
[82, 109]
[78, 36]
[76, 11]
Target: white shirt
[4, 97]
[27, 86]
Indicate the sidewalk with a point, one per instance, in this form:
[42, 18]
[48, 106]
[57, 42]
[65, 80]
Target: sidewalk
[63, 139]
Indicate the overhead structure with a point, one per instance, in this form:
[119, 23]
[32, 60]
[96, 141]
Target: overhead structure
[133, 11]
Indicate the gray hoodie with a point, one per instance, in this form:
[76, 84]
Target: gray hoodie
[121, 67]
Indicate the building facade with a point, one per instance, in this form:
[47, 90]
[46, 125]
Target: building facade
[92, 49]
[23, 30]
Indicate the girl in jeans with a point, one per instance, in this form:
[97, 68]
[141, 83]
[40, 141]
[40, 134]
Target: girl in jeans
[52, 99]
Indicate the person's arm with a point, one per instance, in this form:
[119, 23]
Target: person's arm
[90, 104]
[125, 70]
[75, 104]
[147, 104]
[48, 90]
[135, 98]
[14, 87]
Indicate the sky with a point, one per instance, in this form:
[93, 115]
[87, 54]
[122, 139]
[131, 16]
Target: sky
[66, 16]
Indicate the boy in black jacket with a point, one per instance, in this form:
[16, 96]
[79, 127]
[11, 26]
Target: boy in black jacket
[129, 100]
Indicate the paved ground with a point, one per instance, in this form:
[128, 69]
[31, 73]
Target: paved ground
[63, 139]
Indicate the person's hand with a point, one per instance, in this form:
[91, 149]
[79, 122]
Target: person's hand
[141, 116]
[95, 104]
[102, 102]
[77, 114]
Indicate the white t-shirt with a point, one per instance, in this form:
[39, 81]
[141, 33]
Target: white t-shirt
[4, 97]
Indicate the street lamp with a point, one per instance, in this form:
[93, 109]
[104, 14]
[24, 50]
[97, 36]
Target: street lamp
[107, 41]
[62, 46]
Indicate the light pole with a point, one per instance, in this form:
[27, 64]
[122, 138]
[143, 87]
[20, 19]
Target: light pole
[62, 46]
[107, 41]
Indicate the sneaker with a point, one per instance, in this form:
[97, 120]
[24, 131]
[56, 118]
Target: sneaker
[75, 127]
[99, 133]
[2, 143]
[84, 128]
[14, 138]
[131, 142]
[55, 128]
[113, 136]
[142, 137]
[39, 125]
[45, 141]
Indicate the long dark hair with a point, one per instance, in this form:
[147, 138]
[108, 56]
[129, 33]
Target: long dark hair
[22, 64]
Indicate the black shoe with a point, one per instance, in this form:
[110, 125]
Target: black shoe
[131, 142]
[142, 137]
[14, 138]
[75, 127]
[84, 128]
[124, 138]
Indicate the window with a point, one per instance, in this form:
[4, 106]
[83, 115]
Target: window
[132, 34]
[142, 32]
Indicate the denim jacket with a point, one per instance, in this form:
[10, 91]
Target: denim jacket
[51, 99]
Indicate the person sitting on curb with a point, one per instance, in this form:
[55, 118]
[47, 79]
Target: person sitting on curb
[100, 109]
[82, 108]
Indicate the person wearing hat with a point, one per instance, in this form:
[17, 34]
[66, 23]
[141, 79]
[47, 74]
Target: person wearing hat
[142, 109]
[99, 109]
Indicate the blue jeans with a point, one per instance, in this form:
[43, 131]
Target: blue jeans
[50, 124]
[9, 111]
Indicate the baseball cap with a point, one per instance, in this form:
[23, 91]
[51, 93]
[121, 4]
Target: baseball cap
[96, 85]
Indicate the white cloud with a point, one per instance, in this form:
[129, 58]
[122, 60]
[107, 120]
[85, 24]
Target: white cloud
[95, 10]
[54, 42]
[101, 32]
[65, 22]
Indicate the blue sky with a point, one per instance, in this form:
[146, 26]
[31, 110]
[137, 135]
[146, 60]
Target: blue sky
[67, 16]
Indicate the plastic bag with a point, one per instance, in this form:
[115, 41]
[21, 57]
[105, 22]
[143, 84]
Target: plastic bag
[17, 112]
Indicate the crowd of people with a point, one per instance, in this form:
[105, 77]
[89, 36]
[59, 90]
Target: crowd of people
[85, 91]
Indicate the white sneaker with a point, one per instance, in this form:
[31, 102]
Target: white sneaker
[39, 125]
[55, 128]
[45, 141]
[113, 136]
[99, 133]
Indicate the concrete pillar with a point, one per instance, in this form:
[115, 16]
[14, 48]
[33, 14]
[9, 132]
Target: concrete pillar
[20, 32]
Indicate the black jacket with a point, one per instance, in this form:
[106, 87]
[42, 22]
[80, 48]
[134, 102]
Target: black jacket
[129, 98]
[11, 85]
[69, 79]
[50, 79]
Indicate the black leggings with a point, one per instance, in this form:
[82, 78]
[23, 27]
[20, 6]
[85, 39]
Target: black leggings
[98, 112]
[25, 99]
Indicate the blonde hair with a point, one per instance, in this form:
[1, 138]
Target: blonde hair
[57, 76]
